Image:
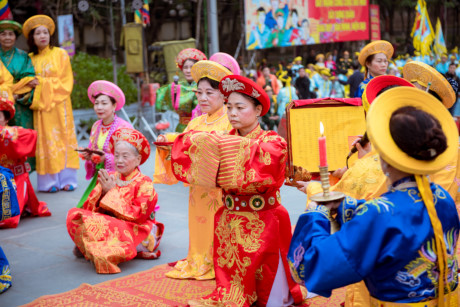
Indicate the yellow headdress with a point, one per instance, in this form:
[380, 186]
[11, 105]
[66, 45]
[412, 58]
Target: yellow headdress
[374, 48]
[209, 69]
[423, 74]
[36, 21]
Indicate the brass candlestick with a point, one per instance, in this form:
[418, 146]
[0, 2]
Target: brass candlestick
[327, 195]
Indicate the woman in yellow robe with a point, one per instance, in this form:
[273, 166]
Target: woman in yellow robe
[57, 162]
[203, 202]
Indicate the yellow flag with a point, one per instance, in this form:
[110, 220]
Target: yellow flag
[422, 31]
[439, 42]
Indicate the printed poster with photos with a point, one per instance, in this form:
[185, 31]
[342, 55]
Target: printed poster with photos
[284, 23]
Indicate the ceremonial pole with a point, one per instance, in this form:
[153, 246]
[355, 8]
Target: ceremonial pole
[213, 27]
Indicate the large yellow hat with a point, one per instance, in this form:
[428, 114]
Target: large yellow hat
[378, 129]
[209, 69]
[374, 48]
[36, 21]
[423, 74]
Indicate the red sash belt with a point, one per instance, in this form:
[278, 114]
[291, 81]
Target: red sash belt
[20, 169]
[253, 202]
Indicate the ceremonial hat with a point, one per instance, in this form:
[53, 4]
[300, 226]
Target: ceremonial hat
[189, 53]
[209, 69]
[227, 61]
[377, 84]
[325, 71]
[134, 138]
[107, 88]
[11, 25]
[36, 21]
[423, 74]
[378, 129]
[6, 105]
[374, 48]
[240, 84]
[319, 56]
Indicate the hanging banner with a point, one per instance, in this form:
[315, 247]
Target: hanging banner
[277, 23]
[66, 34]
[374, 21]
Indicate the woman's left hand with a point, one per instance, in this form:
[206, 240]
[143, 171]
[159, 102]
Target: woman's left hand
[107, 182]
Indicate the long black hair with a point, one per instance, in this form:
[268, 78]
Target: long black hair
[31, 42]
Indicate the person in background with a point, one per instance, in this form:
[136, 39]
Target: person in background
[374, 58]
[56, 158]
[443, 65]
[179, 96]
[107, 99]
[296, 66]
[124, 202]
[20, 67]
[16, 145]
[330, 63]
[268, 78]
[355, 79]
[286, 94]
[302, 85]
[320, 60]
[271, 120]
[345, 63]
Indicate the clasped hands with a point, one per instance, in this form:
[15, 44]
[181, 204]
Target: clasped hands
[107, 181]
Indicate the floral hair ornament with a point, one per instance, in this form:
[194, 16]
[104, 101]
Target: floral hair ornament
[243, 85]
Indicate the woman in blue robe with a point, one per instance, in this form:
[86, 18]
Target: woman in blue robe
[9, 208]
[402, 244]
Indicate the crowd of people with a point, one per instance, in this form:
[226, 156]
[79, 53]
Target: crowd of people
[398, 221]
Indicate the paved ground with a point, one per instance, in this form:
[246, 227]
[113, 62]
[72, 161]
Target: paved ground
[40, 249]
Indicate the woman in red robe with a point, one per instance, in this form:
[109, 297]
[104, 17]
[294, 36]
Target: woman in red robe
[252, 231]
[117, 222]
[16, 145]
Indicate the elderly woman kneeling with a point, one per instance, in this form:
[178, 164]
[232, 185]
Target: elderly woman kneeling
[117, 221]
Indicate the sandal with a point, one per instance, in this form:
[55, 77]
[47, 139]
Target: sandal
[68, 188]
[53, 190]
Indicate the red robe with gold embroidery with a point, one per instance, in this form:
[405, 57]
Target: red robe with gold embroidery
[252, 229]
[16, 145]
[110, 227]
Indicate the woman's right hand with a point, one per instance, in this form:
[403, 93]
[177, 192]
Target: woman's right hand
[33, 83]
[162, 138]
[85, 155]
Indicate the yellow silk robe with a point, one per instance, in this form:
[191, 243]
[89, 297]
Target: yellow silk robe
[203, 204]
[53, 118]
[365, 180]
[6, 83]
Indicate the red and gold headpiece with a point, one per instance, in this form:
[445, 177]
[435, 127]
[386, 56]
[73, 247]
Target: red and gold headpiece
[134, 138]
[189, 53]
[240, 84]
[6, 105]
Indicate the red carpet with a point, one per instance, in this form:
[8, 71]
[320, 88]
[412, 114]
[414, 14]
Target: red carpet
[150, 288]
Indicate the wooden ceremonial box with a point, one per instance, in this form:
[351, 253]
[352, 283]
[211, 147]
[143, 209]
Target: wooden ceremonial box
[343, 120]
